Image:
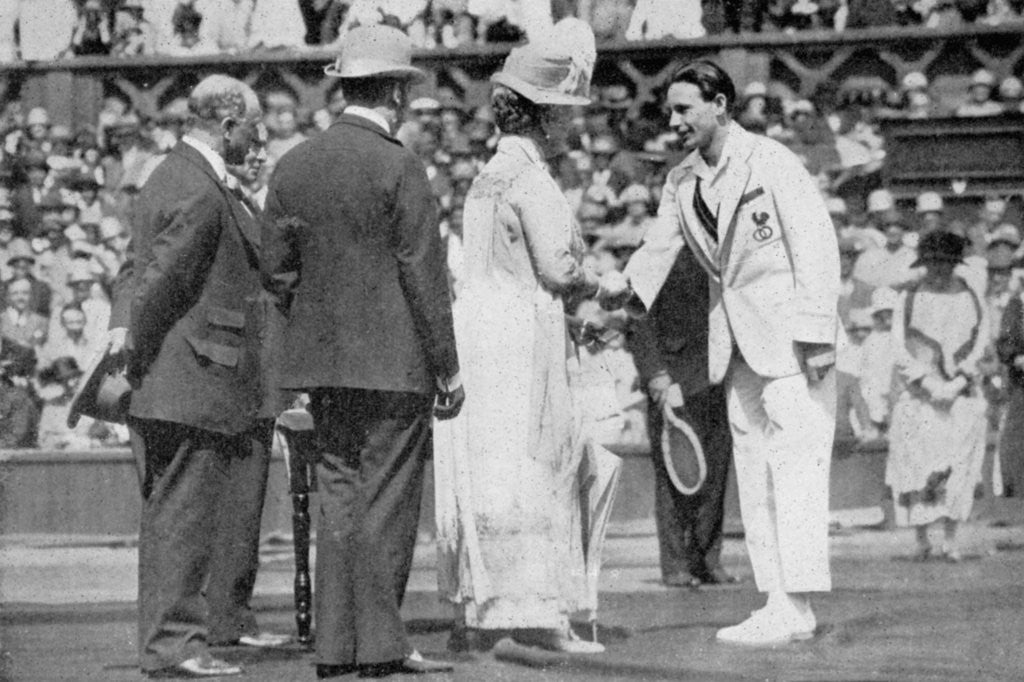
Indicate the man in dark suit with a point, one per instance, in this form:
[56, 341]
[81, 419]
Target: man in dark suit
[670, 347]
[189, 300]
[235, 559]
[352, 249]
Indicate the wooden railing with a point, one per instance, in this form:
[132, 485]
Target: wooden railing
[813, 64]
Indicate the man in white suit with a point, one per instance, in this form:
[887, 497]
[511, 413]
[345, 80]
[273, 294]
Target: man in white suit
[757, 224]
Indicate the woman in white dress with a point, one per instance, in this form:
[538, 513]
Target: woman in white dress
[509, 538]
[937, 437]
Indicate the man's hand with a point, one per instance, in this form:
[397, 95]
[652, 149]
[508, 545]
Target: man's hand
[816, 359]
[665, 391]
[116, 338]
[449, 403]
[450, 396]
[1018, 362]
[613, 290]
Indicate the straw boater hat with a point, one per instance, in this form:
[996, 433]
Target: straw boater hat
[554, 69]
[375, 51]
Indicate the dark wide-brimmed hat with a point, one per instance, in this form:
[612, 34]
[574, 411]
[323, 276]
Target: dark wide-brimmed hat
[940, 247]
[555, 68]
[375, 52]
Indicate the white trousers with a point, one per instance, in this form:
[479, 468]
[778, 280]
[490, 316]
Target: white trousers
[782, 432]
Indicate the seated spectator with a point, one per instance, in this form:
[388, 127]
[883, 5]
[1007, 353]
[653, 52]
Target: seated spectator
[96, 310]
[21, 262]
[631, 229]
[1002, 12]
[6, 237]
[603, 150]
[17, 321]
[284, 135]
[68, 339]
[853, 293]
[19, 414]
[1011, 95]
[225, 25]
[930, 212]
[752, 109]
[8, 26]
[133, 34]
[852, 417]
[185, 36]
[658, 19]
[45, 28]
[275, 24]
[891, 265]
[979, 92]
[92, 35]
[991, 215]
[879, 360]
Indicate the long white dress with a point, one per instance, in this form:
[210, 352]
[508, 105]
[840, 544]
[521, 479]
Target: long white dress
[936, 452]
[507, 499]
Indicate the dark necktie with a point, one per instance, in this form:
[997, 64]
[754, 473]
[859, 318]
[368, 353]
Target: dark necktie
[236, 190]
[707, 219]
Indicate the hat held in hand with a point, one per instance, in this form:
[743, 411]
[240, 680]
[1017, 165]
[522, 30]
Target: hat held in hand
[103, 393]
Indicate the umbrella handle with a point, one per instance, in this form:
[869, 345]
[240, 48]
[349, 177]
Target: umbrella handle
[593, 630]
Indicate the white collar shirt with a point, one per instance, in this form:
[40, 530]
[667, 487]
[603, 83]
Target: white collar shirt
[370, 115]
[212, 157]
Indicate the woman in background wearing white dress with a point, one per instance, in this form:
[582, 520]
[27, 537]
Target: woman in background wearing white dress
[937, 436]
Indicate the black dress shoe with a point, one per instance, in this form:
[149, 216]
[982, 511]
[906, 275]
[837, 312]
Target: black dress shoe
[203, 665]
[682, 579]
[717, 576]
[413, 664]
[326, 670]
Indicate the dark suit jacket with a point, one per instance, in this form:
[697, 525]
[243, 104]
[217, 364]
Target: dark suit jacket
[352, 249]
[194, 310]
[674, 335]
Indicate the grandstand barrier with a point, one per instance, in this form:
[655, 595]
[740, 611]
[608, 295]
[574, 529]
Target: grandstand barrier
[96, 492]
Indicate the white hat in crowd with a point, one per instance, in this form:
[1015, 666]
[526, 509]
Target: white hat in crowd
[1011, 88]
[929, 202]
[1006, 233]
[983, 77]
[860, 318]
[880, 200]
[425, 104]
[755, 89]
[835, 206]
[635, 194]
[915, 80]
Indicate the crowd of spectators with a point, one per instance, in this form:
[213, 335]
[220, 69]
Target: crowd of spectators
[48, 29]
[66, 196]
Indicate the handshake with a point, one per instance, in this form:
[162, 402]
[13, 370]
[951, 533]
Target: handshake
[613, 290]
